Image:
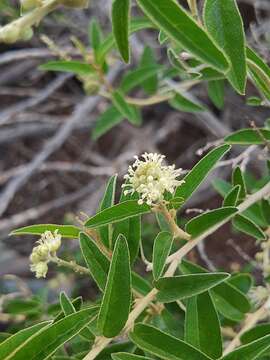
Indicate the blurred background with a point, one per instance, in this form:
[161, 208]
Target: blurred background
[50, 167]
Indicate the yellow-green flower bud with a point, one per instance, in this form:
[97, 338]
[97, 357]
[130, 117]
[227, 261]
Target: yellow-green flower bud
[26, 34]
[91, 85]
[10, 34]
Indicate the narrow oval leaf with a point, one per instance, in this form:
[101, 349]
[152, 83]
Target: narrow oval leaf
[128, 111]
[136, 24]
[181, 28]
[156, 342]
[68, 309]
[96, 261]
[127, 356]
[75, 67]
[106, 202]
[139, 76]
[248, 137]
[250, 351]
[46, 342]
[116, 300]
[202, 327]
[247, 226]
[184, 286]
[66, 305]
[224, 23]
[161, 250]
[228, 300]
[107, 120]
[13, 342]
[124, 210]
[259, 72]
[182, 103]
[140, 284]
[255, 333]
[216, 92]
[77, 304]
[120, 25]
[231, 199]
[67, 231]
[238, 179]
[200, 224]
[199, 172]
[148, 58]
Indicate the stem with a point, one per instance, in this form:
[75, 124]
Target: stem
[176, 230]
[251, 321]
[28, 20]
[193, 8]
[70, 265]
[174, 261]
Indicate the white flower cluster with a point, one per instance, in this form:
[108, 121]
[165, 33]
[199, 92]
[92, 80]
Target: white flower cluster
[258, 295]
[48, 244]
[151, 179]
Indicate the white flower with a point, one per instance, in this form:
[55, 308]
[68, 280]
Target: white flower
[151, 179]
[258, 295]
[49, 243]
[41, 269]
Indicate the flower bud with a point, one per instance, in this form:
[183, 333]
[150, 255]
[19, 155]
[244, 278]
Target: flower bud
[10, 34]
[26, 34]
[91, 85]
[40, 269]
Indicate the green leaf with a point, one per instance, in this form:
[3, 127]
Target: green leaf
[228, 300]
[140, 284]
[241, 281]
[254, 101]
[66, 305]
[95, 35]
[266, 210]
[216, 92]
[136, 24]
[255, 333]
[248, 137]
[139, 76]
[164, 346]
[200, 171]
[106, 202]
[181, 28]
[231, 199]
[124, 210]
[68, 309]
[259, 72]
[96, 261]
[107, 120]
[120, 25]
[185, 286]
[116, 300]
[76, 67]
[238, 179]
[127, 356]
[182, 103]
[200, 224]
[251, 351]
[67, 231]
[202, 327]
[13, 342]
[224, 23]
[128, 111]
[77, 304]
[245, 225]
[46, 342]
[148, 58]
[161, 250]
